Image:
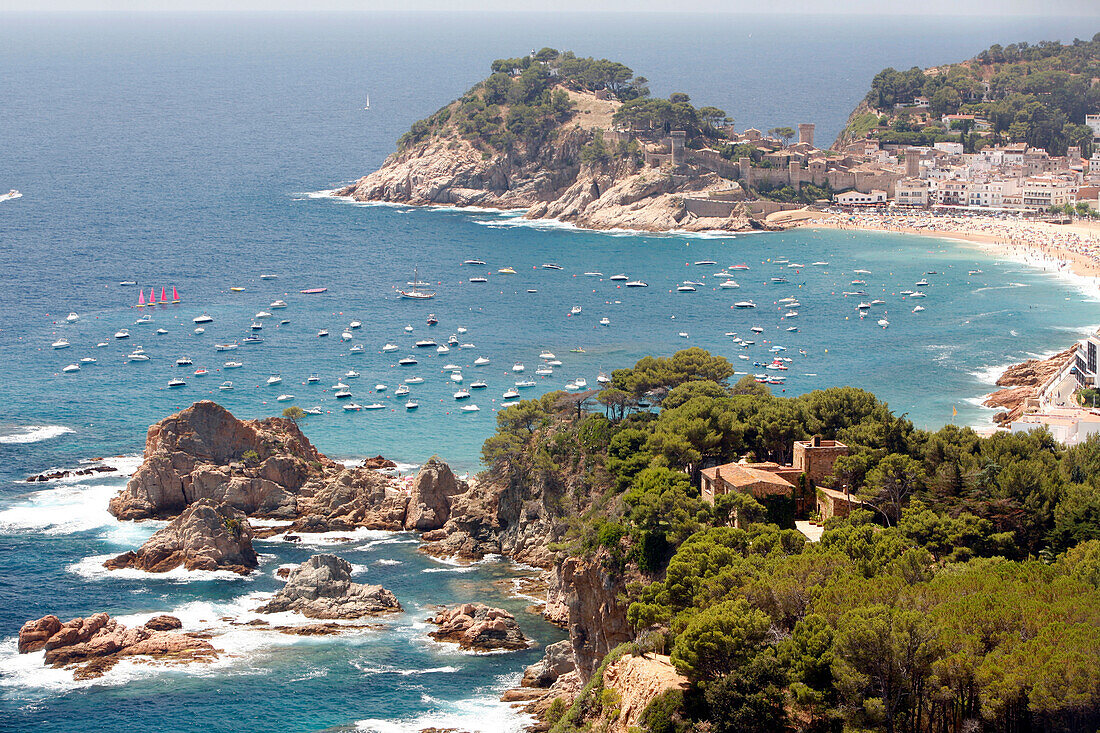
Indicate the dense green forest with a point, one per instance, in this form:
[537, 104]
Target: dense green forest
[1035, 94]
[968, 599]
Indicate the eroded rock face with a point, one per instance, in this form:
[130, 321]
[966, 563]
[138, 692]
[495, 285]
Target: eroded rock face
[430, 500]
[91, 646]
[205, 536]
[322, 587]
[556, 661]
[638, 680]
[1021, 382]
[597, 620]
[478, 627]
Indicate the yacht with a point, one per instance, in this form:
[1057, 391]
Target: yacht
[618, 277]
[425, 343]
[342, 394]
[357, 349]
[582, 382]
[60, 344]
[232, 365]
[795, 265]
[225, 386]
[406, 361]
[390, 347]
[479, 279]
[745, 304]
[479, 385]
[402, 389]
[637, 284]
[819, 264]
[480, 361]
[451, 367]
[355, 324]
[312, 379]
[412, 405]
[524, 384]
[685, 288]
[177, 383]
[284, 398]
[262, 314]
[203, 319]
[510, 394]
[518, 367]
[184, 361]
[462, 395]
[274, 379]
[277, 304]
[71, 368]
[605, 321]
[313, 411]
[322, 333]
[351, 374]
[728, 284]
[471, 408]
[414, 380]
[414, 293]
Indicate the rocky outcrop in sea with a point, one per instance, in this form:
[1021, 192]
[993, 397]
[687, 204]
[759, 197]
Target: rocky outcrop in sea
[205, 536]
[92, 646]
[322, 588]
[1020, 383]
[477, 627]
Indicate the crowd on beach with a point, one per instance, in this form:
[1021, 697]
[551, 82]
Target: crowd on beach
[1074, 248]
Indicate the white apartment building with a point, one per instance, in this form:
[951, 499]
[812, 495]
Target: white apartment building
[991, 193]
[855, 198]
[1042, 192]
[912, 192]
[1093, 122]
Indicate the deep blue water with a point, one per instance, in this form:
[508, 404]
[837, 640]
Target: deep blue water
[180, 151]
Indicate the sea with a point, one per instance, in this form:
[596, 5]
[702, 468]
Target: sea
[199, 152]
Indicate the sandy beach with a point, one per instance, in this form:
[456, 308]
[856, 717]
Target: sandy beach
[1070, 248]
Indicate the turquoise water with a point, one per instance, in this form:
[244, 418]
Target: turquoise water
[188, 152]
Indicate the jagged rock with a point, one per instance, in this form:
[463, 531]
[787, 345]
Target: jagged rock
[556, 661]
[1022, 382]
[164, 623]
[638, 680]
[95, 644]
[430, 500]
[54, 475]
[321, 587]
[597, 620]
[206, 536]
[477, 627]
[348, 499]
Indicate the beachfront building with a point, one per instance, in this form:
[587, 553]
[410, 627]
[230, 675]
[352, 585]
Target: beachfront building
[858, 198]
[1078, 372]
[911, 192]
[1068, 425]
[1043, 192]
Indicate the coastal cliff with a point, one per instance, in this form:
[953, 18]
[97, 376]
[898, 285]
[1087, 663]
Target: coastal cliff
[1021, 382]
[545, 135]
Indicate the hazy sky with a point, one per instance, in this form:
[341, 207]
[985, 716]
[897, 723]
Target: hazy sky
[1083, 8]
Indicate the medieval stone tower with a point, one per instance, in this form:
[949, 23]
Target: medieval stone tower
[806, 133]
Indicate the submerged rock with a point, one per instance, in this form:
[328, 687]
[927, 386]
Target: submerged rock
[206, 536]
[478, 627]
[321, 587]
[91, 646]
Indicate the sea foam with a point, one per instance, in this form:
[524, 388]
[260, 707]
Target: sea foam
[33, 434]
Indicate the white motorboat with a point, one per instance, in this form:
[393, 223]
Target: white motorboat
[177, 383]
[161, 331]
[877, 301]
[481, 361]
[462, 395]
[224, 347]
[71, 368]
[554, 362]
[72, 317]
[137, 356]
[462, 329]
[406, 361]
[706, 262]
[257, 326]
[452, 340]
[262, 314]
[352, 406]
[918, 309]
[339, 386]
[637, 284]
[479, 385]
[451, 367]
[582, 382]
[402, 389]
[510, 394]
[390, 347]
[883, 322]
[60, 344]
[470, 408]
[922, 283]
[232, 365]
[201, 372]
[225, 386]
[355, 324]
[574, 310]
[683, 334]
[570, 386]
[544, 371]
[524, 384]
[408, 329]
[184, 361]
[472, 262]
[313, 411]
[268, 277]
[863, 306]
[518, 367]
[738, 267]
[442, 349]
[603, 379]
[380, 388]
[312, 379]
[479, 279]
[87, 360]
[412, 405]
[456, 376]
[101, 344]
[791, 314]
[351, 374]
[605, 321]
[745, 304]
[425, 343]
[357, 349]
[509, 403]
[415, 380]
[551, 266]
[618, 277]
[284, 398]
[274, 379]
[204, 318]
[779, 280]
[757, 329]
[144, 319]
[593, 273]
[792, 328]
[277, 304]
[729, 284]
[862, 272]
[347, 336]
[467, 346]
[342, 394]
[819, 264]
[322, 333]
[918, 294]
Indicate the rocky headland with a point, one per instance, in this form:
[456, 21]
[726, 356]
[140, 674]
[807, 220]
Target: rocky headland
[92, 646]
[322, 588]
[1020, 383]
[477, 627]
[205, 536]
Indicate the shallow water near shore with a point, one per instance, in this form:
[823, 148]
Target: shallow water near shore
[187, 152]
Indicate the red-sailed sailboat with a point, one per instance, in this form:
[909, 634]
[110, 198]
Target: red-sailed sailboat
[175, 295]
[163, 296]
[152, 296]
[141, 299]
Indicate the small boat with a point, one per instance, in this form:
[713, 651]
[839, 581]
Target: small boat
[480, 361]
[402, 389]
[347, 336]
[706, 262]
[236, 289]
[351, 374]
[72, 317]
[757, 329]
[479, 385]
[200, 372]
[357, 349]
[284, 398]
[312, 379]
[380, 388]
[137, 356]
[252, 340]
[224, 347]
[922, 283]
[918, 294]
[390, 347]
[506, 271]
[225, 386]
[858, 282]
[605, 321]
[268, 277]
[479, 279]
[970, 272]
[257, 326]
[101, 344]
[862, 272]
[313, 411]
[161, 331]
[425, 343]
[791, 314]
[685, 289]
[546, 355]
[637, 284]
[432, 320]
[594, 274]
[918, 309]
[683, 334]
[576, 350]
[128, 283]
[863, 306]
[456, 376]
[342, 394]
[518, 367]
[177, 383]
[144, 319]
[582, 382]
[232, 365]
[452, 340]
[312, 291]
[462, 395]
[407, 361]
[795, 265]
[60, 344]
[184, 361]
[509, 403]
[355, 324]
[443, 349]
[204, 318]
[745, 304]
[524, 384]
[352, 406]
[602, 378]
[739, 267]
[470, 408]
[71, 368]
[551, 266]
[274, 379]
[462, 329]
[322, 333]
[412, 405]
[819, 264]
[618, 277]
[792, 328]
[883, 322]
[777, 280]
[262, 314]
[544, 371]
[472, 262]
[510, 394]
[414, 380]
[87, 360]
[574, 310]
[728, 284]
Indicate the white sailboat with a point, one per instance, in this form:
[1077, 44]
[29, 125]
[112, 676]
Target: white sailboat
[367, 105]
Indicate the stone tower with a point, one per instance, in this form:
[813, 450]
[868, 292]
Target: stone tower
[806, 133]
[676, 142]
[912, 163]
